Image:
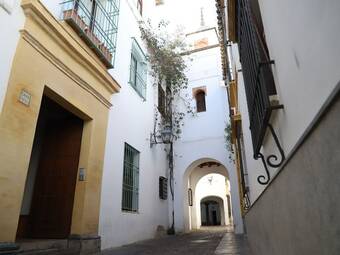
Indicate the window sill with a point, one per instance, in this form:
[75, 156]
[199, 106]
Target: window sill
[138, 93]
[130, 212]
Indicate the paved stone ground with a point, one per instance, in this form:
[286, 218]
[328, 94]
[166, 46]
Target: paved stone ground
[206, 241]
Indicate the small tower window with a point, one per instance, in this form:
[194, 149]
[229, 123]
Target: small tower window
[200, 101]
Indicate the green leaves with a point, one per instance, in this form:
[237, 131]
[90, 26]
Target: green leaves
[228, 142]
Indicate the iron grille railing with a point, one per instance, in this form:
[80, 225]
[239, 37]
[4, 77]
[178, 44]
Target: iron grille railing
[130, 179]
[97, 23]
[257, 72]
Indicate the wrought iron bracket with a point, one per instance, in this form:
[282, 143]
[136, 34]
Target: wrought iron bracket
[272, 160]
[263, 179]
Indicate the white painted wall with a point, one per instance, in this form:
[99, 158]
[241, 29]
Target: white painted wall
[302, 40]
[11, 21]
[203, 136]
[131, 121]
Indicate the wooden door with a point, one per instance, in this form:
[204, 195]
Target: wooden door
[51, 211]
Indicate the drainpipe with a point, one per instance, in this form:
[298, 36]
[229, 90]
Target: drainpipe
[171, 230]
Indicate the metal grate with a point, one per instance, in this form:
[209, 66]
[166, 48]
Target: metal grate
[163, 188]
[130, 179]
[97, 23]
[258, 76]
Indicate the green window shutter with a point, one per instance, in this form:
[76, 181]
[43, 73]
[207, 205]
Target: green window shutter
[133, 71]
[138, 69]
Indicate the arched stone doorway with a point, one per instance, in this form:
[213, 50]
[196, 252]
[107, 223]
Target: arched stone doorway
[188, 161]
[206, 178]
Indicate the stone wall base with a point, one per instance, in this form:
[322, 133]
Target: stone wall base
[74, 245]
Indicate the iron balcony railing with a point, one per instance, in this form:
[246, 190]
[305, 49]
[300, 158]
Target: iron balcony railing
[257, 72]
[96, 21]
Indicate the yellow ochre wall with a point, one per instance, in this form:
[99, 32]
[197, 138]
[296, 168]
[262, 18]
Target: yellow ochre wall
[51, 59]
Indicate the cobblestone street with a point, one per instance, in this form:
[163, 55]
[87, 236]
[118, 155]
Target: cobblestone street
[212, 240]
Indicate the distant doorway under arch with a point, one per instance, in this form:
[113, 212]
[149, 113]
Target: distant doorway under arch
[212, 211]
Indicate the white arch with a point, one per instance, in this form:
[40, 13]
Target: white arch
[186, 160]
[201, 189]
[192, 213]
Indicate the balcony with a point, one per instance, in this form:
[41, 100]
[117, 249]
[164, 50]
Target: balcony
[96, 22]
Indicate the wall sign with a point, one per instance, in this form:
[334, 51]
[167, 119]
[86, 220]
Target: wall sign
[190, 201]
[82, 176]
[25, 97]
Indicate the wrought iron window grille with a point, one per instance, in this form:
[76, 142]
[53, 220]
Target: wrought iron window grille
[130, 193]
[259, 86]
[96, 22]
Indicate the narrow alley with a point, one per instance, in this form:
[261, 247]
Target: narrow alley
[207, 240]
[169, 127]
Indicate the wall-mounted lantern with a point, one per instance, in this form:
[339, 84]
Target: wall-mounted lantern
[165, 136]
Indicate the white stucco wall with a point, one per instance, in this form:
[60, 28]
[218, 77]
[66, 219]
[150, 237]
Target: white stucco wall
[131, 121]
[303, 43]
[11, 21]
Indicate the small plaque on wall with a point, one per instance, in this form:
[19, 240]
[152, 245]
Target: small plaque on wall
[25, 97]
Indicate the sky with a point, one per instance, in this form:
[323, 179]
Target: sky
[188, 13]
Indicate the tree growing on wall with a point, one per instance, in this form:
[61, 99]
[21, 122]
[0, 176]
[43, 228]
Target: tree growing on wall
[168, 65]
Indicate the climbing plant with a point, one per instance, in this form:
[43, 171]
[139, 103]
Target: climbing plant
[168, 65]
[228, 142]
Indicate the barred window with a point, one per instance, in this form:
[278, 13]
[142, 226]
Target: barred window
[130, 179]
[138, 69]
[163, 188]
